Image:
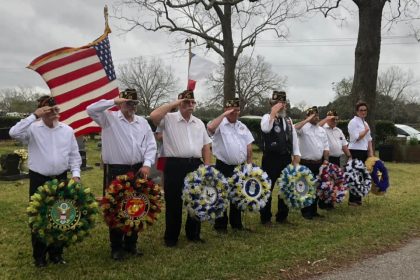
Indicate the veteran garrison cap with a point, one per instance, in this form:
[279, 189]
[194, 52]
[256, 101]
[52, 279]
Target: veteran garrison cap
[332, 113]
[46, 100]
[312, 110]
[232, 103]
[278, 96]
[186, 94]
[129, 93]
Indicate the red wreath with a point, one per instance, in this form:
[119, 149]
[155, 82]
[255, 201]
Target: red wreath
[131, 203]
[333, 186]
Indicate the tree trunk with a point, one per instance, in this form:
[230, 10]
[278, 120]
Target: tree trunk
[367, 55]
[229, 58]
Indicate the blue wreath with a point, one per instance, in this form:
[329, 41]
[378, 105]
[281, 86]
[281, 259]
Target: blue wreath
[243, 176]
[358, 178]
[289, 181]
[196, 197]
[383, 182]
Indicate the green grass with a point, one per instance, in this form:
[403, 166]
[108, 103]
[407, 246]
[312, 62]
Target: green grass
[281, 252]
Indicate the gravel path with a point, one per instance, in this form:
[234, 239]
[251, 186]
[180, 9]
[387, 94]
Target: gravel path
[402, 264]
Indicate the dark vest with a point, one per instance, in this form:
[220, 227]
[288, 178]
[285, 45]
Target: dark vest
[279, 140]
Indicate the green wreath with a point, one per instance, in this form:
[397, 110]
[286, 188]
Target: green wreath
[62, 213]
[131, 203]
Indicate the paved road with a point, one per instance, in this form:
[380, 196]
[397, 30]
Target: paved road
[402, 264]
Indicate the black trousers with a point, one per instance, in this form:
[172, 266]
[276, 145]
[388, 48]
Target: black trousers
[39, 248]
[118, 239]
[273, 164]
[361, 155]
[234, 213]
[175, 171]
[311, 211]
[334, 160]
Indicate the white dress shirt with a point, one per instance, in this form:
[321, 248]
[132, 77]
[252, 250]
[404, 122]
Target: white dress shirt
[183, 138]
[230, 141]
[336, 140]
[51, 151]
[313, 141]
[266, 127]
[355, 127]
[123, 142]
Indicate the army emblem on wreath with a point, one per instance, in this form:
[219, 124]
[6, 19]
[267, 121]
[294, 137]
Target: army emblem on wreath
[252, 188]
[64, 214]
[135, 207]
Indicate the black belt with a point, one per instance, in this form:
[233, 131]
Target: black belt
[62, 175]
[311, 161]
[132, 166]
[183, 160]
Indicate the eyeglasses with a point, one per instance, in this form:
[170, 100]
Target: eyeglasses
[363, 110]
[132, 103]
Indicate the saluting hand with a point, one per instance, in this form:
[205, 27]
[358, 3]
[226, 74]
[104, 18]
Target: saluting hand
[42, 111]
[278, 107]
[119, 100]
[227, 112]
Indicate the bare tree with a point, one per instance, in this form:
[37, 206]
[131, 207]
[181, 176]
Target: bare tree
[398, 85]
[154, 81]
[19, 99]
[395, 88]
[254, 81]
[225, 26]
[368, 48]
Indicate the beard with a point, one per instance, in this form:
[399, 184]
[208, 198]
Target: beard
[281, 114]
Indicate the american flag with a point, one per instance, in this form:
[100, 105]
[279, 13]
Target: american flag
[78, 77]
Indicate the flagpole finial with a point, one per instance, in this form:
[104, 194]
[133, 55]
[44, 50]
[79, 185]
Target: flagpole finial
[107, 29]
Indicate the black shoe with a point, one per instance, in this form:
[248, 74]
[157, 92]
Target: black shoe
[134, 251]
[316, 215]
[40, 263]
[197, 240]
[221, 230]
[170, 244]
[57, 260]
[267, 224]
[117, 255]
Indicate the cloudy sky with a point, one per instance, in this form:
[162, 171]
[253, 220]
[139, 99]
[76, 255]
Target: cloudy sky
[317, 52]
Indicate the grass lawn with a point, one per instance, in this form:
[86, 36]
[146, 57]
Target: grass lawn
[281, 252]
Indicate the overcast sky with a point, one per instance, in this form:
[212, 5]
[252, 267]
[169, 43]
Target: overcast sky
[317, 52]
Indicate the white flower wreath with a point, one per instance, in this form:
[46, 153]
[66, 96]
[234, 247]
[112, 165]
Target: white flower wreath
[358, 178]
[250, 187]
[297, 186]
[205, 193]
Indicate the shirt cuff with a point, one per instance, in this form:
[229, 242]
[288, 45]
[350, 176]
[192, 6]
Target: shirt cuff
[76, 173]
[147, 163]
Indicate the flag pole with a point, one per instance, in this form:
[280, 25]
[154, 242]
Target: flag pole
[107, 29]
[189, 41]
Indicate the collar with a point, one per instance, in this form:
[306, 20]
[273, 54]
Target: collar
[41, 123]
[225, 121]
[181, 118]
[122, 117]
